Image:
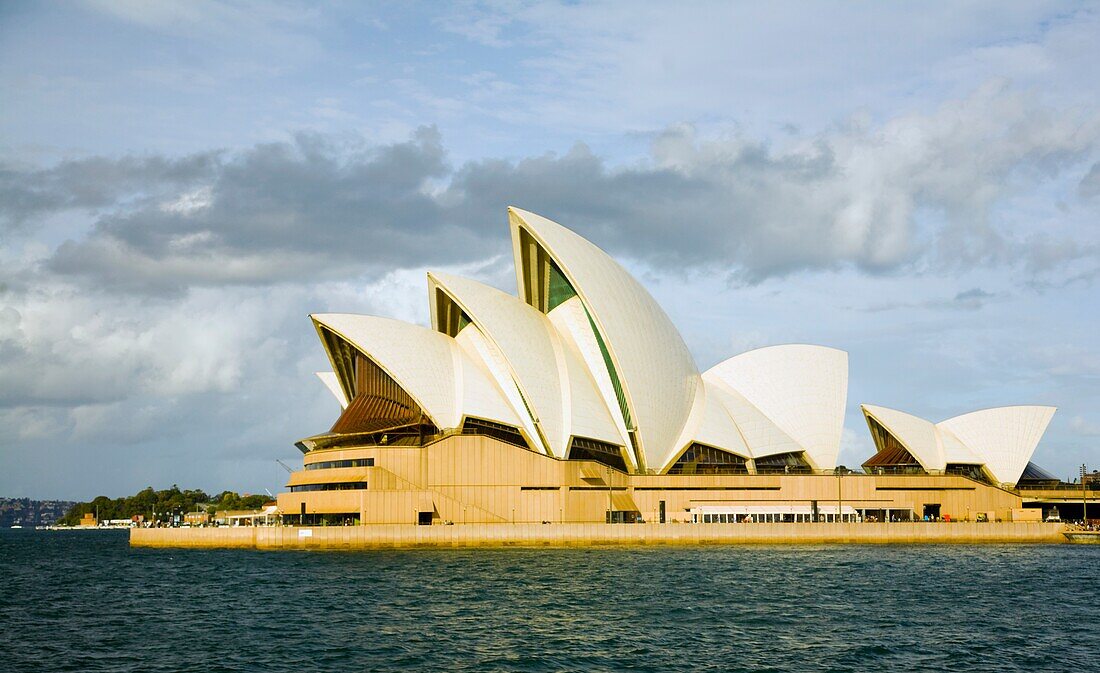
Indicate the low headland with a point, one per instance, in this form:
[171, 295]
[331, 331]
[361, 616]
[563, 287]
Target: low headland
[158, 508]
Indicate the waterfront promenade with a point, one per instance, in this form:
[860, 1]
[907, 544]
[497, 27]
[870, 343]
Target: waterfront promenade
[579, 534]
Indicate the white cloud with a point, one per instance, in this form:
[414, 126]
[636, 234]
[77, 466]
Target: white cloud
[1084, 427]
[189, 202]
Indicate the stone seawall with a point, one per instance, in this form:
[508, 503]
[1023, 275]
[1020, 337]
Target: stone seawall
[579, 534]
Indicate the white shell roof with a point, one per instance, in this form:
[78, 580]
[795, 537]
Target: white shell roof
[588, 413]
[1005, 437]
[1002, 439]
[572, 325]
[954, 451]
[333, 384]
[802, 388]
[493, 364]
[917, 435]
[537, 360]
[763, 437]
[431, 367]
[550, 376]
[716, 426]
[655, 368]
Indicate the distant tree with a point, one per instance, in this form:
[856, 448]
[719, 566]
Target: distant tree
[146, 502]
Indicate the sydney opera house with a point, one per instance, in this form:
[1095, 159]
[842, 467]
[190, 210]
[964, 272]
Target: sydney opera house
[578, 401]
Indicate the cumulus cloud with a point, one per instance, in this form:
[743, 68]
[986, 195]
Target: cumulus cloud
[64, 347]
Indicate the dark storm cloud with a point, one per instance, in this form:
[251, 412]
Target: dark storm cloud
[316, 207]
[324, 207]
[95, 182]
[734, 211]
[877, 199]
[1089, 186]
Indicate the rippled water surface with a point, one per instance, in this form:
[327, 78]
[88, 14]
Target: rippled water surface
[84, 601]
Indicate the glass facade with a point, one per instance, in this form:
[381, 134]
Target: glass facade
[703, 459]
[560, 290]
[337, 486]
[619, 395]
[1036, 477]
[974, 472]
[783, 463]
[582, 448]
[892, 456]
[450, 318]
[331, 464]
[505, 433]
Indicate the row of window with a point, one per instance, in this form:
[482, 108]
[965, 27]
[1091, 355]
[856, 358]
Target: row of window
[771, 517]
[330, 464]
[338, 486]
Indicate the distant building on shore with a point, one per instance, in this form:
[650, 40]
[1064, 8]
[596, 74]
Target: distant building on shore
[196, 518]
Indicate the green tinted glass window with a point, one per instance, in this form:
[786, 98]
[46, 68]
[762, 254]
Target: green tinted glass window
[619, 395]
[560, 290]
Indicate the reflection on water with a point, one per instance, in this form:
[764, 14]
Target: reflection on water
[84, 601]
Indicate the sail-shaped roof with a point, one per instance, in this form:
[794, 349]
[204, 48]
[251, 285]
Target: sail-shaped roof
[333, 385]
[716, 426]
[647, 356]
[917, 435]
[1002, 440]
[801, 388]
[760, 433]
[429, 366]
[1005, 437]
[558, 396]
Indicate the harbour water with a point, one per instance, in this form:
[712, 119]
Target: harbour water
[86, 601]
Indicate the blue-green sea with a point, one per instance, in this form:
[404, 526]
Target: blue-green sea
[85, 601]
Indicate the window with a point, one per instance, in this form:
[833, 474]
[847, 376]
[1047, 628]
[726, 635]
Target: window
[703, 459]
[783, 463]
[505, 433]
[974, 472]
[582, 448]
[617, 385]
[450, 318]
[336, 486]
[560, 290]
[332, 464]
[1036, 477]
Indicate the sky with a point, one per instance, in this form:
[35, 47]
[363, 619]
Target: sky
[181, 184]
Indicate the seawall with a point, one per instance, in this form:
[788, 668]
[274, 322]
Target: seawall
[580, 534]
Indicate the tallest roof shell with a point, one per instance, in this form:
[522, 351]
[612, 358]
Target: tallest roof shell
[658, 375]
